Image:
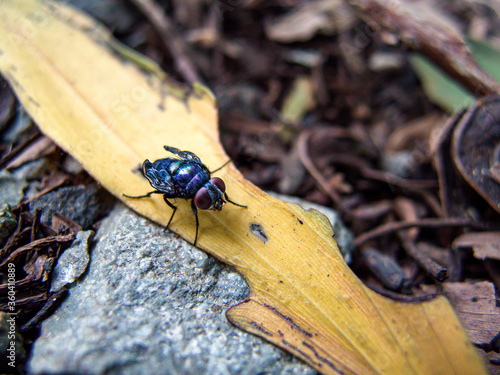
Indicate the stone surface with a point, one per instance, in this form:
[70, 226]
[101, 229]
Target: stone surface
[11, 189]
[33, 170]
[20, 124]
[117, 15]
[401, 163]
[83, 204]
[7, 104]
[152, 304]
[73, 262]
[12, 352]
[8, 223]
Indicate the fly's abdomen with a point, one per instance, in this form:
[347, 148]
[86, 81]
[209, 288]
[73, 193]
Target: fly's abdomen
[162, 167]
[158, 175]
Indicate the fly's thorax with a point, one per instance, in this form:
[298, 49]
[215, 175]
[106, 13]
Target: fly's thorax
[188, 176]
[190, 181]
[174, 166]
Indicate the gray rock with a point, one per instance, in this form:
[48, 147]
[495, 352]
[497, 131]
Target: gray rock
[11, 189]
[151, 303]
[73, 262]
[115, 14]
[7, 104]
[8, 223]
[83, 204]
[19, 125]
[71, 165]
[343, 236]
[11, 345]
[35, 169]
[401, 163]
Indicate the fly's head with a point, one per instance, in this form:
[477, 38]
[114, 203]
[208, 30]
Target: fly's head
[211, 195]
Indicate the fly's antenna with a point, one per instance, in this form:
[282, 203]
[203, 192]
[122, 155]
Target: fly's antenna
[222, 166]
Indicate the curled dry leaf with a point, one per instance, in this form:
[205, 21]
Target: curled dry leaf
[305, 21]
[41, 147]
[468, 150]
[110, 115]
[451, 189]
[486, 245]
[476, 148]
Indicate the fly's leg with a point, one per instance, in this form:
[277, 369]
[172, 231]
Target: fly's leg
[172, 207]
[143, 196]
[230, 201]
[195, 212]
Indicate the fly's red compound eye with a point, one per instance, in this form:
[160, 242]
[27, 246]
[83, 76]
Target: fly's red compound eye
[202, 199]
[219, 183]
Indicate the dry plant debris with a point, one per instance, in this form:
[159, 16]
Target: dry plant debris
[316, 102]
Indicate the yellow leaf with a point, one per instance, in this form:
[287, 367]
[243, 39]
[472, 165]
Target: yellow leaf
[111, 115]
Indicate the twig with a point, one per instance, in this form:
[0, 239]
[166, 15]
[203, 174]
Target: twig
[43, 242]
[169, 37]
[403, 298]
[387, 270]
[382, 230]
[18, 149]
[386, 177]
[52, 303]
[36, 224]
[434, 269]
[303, 151]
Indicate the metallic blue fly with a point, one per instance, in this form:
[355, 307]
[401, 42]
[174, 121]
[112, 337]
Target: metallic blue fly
[188, 178]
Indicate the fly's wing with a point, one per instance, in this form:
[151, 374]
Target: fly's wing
[184, 155]
[158, 176]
